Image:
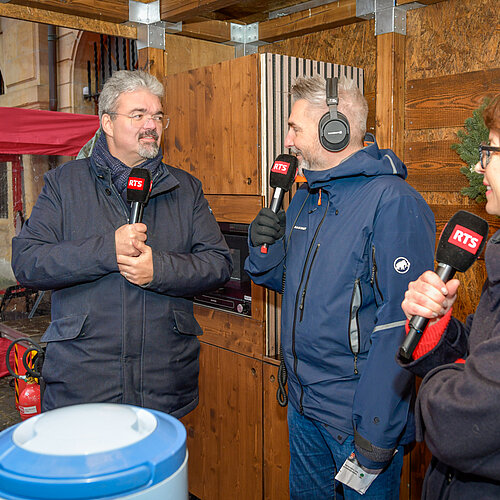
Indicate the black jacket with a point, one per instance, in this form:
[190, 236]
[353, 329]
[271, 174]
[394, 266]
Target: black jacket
[110, 340]
[458, 405]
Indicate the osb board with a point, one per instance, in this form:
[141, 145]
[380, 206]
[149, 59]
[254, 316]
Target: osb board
[452, 37]
[352, 45]
[447, 101]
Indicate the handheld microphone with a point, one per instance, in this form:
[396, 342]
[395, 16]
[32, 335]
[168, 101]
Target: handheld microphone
[460, 244]
[138, 189]
[281, 179]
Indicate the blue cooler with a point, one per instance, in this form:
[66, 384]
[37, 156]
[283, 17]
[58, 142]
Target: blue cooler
[95, 451]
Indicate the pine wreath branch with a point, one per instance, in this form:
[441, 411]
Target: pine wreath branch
[467, 148]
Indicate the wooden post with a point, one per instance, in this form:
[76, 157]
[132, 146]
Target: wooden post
[389, 129]
[152, 61]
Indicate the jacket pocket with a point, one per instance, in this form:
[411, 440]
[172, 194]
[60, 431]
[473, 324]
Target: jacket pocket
[68, 328]
[186, 324]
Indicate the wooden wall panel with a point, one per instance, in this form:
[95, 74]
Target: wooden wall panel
[225, 430]
[447, 101]
[221, 149]
[276, 450]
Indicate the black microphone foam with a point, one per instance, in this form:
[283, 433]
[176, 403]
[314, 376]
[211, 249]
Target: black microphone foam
[138, 187]
[462, 240]
[460, 244]
[283, 172]
[281, 178]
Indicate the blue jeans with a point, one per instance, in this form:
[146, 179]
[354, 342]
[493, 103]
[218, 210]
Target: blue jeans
[316, 457]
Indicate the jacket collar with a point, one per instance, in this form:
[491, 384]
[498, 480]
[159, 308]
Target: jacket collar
[368, 162]
[163, 181]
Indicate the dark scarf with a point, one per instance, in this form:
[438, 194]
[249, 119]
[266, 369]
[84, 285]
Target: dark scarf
[119, 171]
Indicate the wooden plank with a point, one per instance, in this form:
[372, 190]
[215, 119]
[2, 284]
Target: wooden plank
[241, 209]
[181, 10]
[224, 433]
[184, 53]
[115, 11]
[447, 101]
[67, 21]
[389, 120]
[214, 130]
[238, 333]
[308, 21]
[275, 427]
[434, 166]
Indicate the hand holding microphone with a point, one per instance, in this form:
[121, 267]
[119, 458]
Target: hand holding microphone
[460, 244]
[269, 225]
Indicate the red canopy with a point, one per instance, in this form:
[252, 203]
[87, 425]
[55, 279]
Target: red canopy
[35, 132]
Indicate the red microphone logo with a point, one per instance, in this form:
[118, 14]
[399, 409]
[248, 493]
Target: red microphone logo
[466, 239]
[280, 167]
[135, 183]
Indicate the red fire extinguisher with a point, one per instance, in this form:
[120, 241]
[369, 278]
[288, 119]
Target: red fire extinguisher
[29, 399]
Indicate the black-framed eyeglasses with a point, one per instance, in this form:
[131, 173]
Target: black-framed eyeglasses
[139, 119]
[485, 153]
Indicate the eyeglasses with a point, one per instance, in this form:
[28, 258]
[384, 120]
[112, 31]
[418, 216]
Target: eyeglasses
[485, 153]
[139, 119]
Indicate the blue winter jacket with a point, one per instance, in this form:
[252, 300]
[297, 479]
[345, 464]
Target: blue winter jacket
[110, 340]
[356, 235]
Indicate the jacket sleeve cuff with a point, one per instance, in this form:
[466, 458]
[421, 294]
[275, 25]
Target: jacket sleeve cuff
[369, 455]
[431, 336]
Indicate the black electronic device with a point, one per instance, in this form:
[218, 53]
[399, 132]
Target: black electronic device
[236, 295]
[334, 129]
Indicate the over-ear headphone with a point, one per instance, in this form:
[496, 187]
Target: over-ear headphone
[334, 130]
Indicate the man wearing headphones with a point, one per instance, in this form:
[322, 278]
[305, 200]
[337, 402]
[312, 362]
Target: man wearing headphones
[352, 239]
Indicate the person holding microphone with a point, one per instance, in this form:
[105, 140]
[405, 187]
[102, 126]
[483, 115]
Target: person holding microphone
[459, 399]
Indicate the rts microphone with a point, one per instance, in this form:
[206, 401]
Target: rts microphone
[281, 179]
[460, 244]
[138, 188]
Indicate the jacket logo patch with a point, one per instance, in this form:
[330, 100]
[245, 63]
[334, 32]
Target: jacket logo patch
[302, 228]
[402, 265]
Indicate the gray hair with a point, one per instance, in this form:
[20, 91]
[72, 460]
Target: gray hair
[351, 101]
[126, 81]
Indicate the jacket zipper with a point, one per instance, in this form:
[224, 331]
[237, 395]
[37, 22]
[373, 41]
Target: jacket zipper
[374, 279]
[303, 298]
[354, 337]
[295, 359]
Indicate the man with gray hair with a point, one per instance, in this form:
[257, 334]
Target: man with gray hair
[122, 328]
[355, 234]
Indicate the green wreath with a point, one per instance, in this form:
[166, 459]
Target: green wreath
[467, 148]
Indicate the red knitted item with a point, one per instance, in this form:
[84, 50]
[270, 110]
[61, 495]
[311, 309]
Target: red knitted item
[431, 336]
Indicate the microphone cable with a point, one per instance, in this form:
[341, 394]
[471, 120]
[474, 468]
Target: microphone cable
[281, 394]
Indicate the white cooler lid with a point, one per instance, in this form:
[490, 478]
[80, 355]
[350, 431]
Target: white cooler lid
[89, 451]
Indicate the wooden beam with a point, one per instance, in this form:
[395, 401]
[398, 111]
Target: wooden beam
[213, 31]
[308, 21]
[181, 10]
[114, 11]
[389, 128]
[66, 21]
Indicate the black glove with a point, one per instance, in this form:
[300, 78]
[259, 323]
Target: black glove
[267, 227]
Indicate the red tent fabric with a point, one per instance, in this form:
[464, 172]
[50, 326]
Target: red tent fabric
[36, 132]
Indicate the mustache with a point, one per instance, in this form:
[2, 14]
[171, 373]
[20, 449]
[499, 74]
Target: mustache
[149, 133]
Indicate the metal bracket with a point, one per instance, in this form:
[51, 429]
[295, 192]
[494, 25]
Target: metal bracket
[389, 18]
[245, 38]
[150, 28]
